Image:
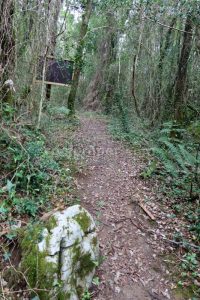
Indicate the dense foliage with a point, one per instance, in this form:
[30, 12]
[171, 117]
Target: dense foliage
[136, 61]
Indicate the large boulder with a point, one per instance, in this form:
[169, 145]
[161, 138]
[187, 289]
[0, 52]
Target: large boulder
[61, 258]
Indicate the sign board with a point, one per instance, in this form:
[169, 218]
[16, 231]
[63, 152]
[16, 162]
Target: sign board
[58, 72]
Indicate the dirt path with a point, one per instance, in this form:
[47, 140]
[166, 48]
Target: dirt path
[110, 189]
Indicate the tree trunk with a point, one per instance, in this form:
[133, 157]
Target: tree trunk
[181, 78]
[164, 48]
[92, 98]
[111, 78]
[99, 85]
[135, 62]
[53, 36]
[7, 41]
[79, 56]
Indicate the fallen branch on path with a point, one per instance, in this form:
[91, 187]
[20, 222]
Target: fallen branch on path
[185, 245]
[143, 206]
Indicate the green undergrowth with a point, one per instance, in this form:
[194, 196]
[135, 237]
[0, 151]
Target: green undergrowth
[171, 154]
[37, 168]
[185, 280]
[135, 136]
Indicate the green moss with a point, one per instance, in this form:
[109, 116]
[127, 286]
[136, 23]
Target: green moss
[51, 224]
[87, 265]
[39, 272]
[64, 296]
[80, 291]
[82, 263]
[83, 220]
[94, 241]
[76, 250]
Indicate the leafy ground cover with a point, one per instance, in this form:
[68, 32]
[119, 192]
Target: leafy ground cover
[37, 177]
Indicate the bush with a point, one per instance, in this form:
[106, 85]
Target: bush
[28, 172]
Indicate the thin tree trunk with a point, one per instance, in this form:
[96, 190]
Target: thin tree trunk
[135, 64]
[42, 89]
[97, 83]
[79, 56]
[110, 78]
[165, 44]
[181, 79]
[7, 44]
[164, 48]
[42, 98]
[133, 87]
[53, 36]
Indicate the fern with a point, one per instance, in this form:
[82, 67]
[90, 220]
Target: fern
[177, 156]
[187, 155]
[167, 163]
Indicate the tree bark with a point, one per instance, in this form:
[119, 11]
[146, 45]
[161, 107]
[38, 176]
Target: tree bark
[133, 87]
[164, 48]
[79, 56]
[181, 78]
[110, 78]
[99, 85]
[7, 40]
[135, 64]
[53, 37]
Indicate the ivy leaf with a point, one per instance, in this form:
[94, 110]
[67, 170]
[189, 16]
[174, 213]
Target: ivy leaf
[96, 281]
[10, 186]
[7, 256]
[11, 236]
[3, 210]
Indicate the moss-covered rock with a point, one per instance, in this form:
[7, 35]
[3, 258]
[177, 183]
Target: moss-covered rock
[60, 257]
[83, 220]
[40, 269]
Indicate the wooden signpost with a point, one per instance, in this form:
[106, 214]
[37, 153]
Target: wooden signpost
[58, 72]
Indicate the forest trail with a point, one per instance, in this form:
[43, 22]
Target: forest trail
[110, 189]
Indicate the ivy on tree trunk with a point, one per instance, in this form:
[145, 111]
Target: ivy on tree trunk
[181, 79]
[7, 48]
[79, 56]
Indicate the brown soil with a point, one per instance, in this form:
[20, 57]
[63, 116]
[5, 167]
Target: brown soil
[110, 188]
